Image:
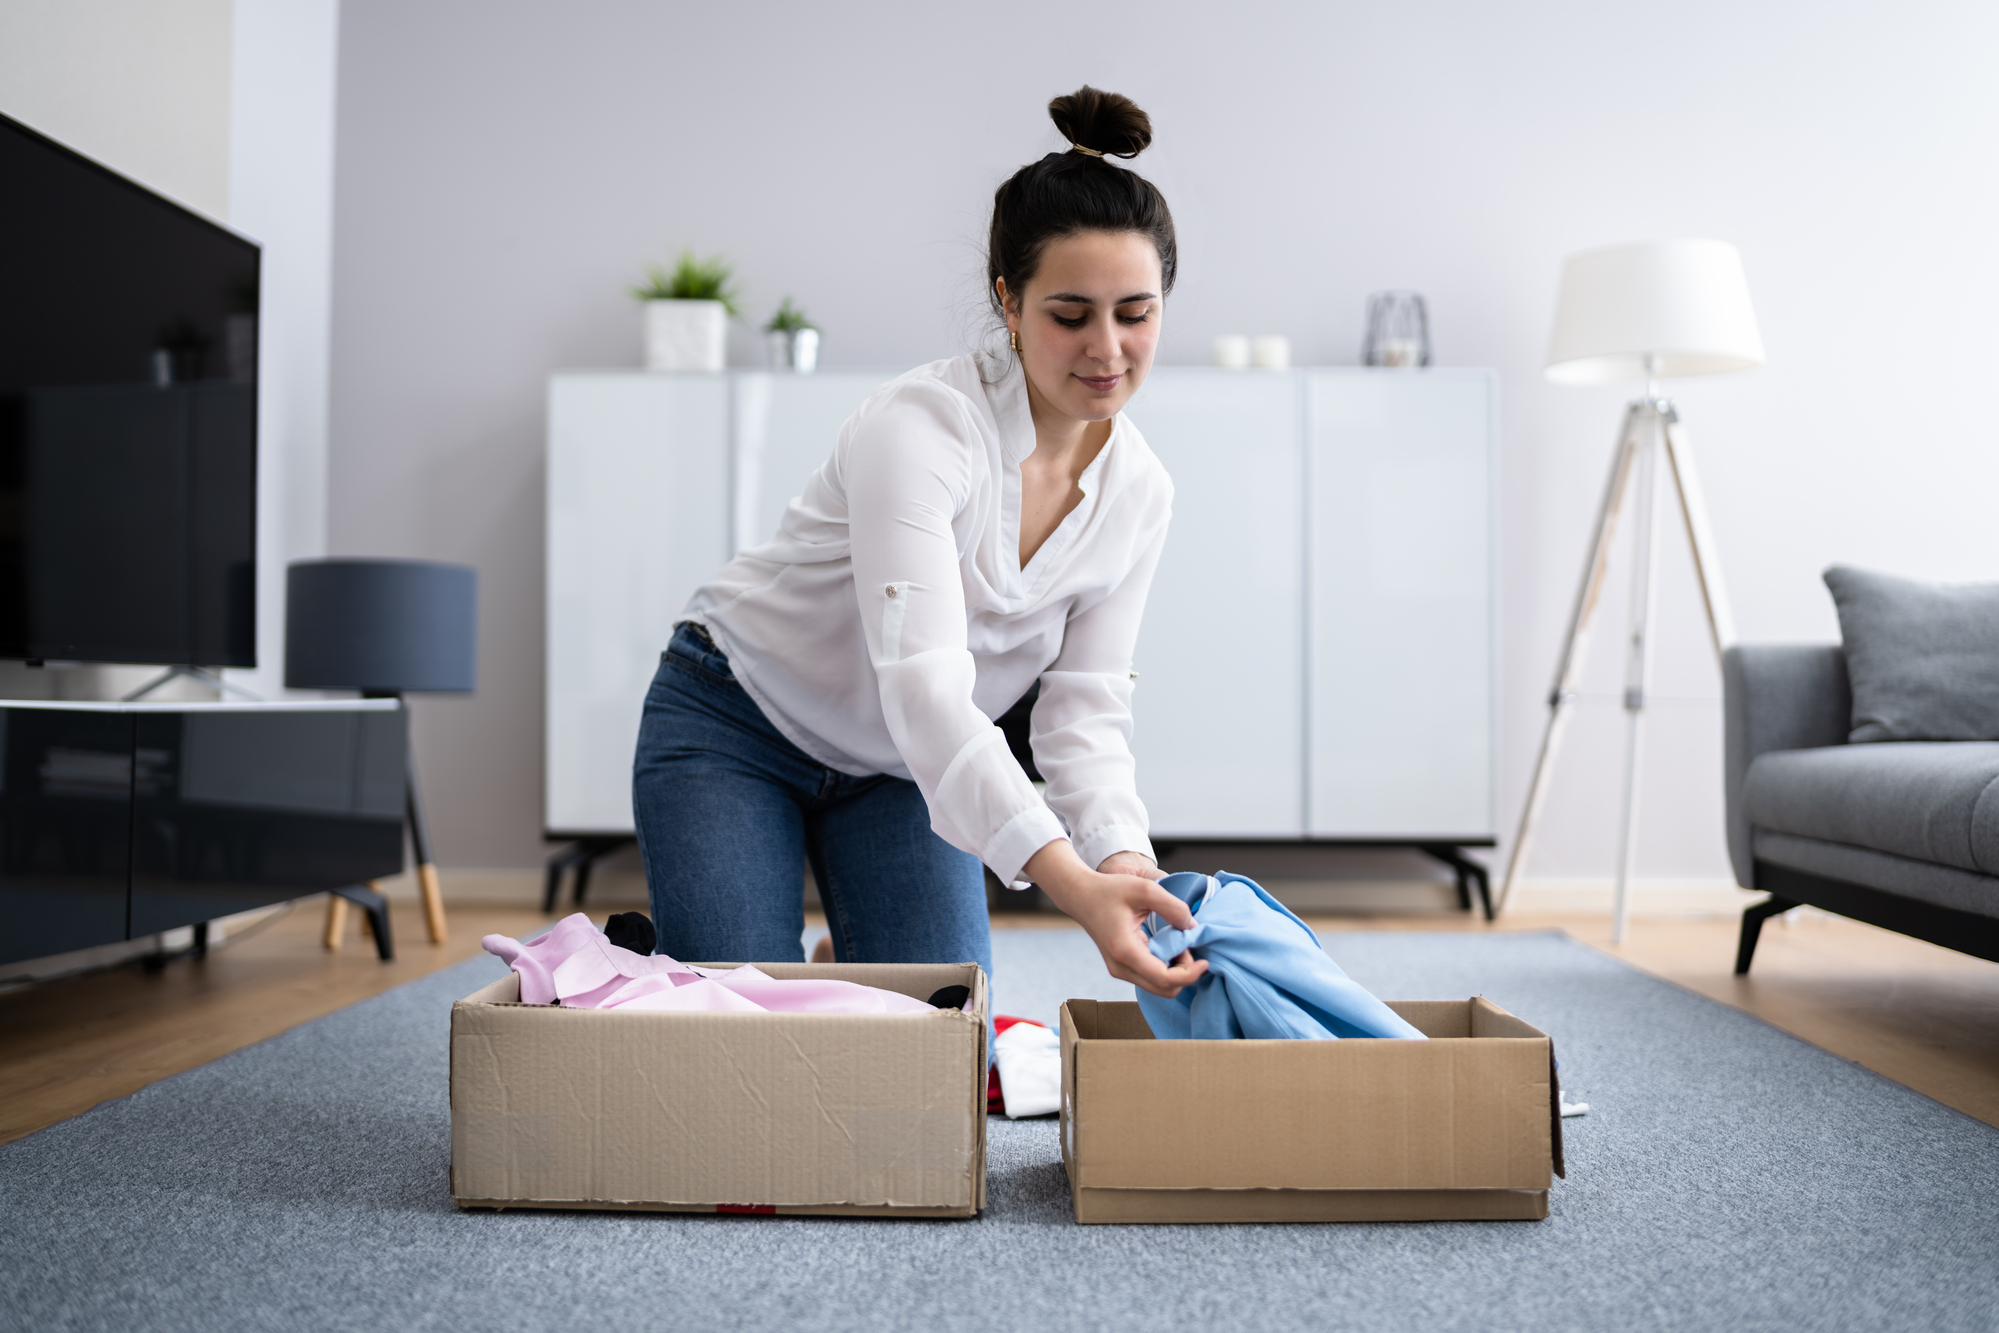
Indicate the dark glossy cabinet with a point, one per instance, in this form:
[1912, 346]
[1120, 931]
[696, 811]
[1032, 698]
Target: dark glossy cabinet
[119, 821]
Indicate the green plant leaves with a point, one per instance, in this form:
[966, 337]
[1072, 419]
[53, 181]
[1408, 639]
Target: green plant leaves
[691, 279]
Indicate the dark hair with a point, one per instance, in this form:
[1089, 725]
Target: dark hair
[1070, 192]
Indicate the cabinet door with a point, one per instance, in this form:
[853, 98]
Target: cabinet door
[235, 807]
[785, 428]
[65, 829]
[638, 518]
[1219, 707]
[1401, 650]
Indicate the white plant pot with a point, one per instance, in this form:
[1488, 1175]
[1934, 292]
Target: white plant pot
[686, 335]
[796, 350]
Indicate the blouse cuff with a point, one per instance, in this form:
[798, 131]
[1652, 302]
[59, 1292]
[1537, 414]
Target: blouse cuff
[1008, 850]
[1112, 839]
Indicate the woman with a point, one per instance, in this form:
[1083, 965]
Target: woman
[984, 522]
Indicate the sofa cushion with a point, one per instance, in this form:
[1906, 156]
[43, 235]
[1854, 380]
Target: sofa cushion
[1923, 657]
[1928, 800]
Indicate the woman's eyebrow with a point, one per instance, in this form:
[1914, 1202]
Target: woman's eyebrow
[1076, 298]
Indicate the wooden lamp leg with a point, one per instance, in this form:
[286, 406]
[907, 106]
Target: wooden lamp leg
[336, 921]
[426, 870]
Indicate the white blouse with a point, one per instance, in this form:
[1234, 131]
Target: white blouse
[914, 522]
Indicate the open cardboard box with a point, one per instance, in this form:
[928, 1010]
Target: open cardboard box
[1466, 1125]
[724, 1112]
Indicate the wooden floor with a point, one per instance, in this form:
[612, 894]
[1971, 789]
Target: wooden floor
[1923, 1016]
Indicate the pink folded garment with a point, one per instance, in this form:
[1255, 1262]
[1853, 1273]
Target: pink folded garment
[573, 964]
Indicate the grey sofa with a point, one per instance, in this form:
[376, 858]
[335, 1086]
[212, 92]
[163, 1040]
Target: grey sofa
[1900, 834]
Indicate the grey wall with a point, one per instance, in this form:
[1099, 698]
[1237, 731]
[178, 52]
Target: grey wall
[506, 167]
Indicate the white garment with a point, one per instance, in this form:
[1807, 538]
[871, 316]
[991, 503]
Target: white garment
[1029, 1057]
[889, 622]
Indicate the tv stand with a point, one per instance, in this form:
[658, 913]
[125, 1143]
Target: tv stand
[203, 674]
[123, 820]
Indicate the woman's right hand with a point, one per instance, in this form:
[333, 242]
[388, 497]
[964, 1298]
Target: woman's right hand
[1110, 907]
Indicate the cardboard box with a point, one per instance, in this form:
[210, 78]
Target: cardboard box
[724, 1112]
[1466, 1125]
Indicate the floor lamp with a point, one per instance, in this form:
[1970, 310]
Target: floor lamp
[1648, 312]
[386, 628]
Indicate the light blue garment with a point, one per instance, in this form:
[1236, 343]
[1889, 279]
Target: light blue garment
[1267, 974]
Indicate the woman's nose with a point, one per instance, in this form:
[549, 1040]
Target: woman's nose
[1102, 344]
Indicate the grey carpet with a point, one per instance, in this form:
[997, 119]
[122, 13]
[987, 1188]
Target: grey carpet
[1728, 1177]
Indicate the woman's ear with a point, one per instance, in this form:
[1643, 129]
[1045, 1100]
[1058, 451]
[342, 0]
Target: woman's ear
[1009, 303]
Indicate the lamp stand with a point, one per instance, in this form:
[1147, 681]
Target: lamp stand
[1651, 431]
[428, 888]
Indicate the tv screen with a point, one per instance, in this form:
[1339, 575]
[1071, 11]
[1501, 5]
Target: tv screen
[128, 419]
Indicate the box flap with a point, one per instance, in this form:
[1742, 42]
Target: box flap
[1489, 1020]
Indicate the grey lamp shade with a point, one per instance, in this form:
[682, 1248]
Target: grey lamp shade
[380, 625]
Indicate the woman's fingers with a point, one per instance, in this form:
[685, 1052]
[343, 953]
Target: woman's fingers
[1141, 969]
[1176, 913]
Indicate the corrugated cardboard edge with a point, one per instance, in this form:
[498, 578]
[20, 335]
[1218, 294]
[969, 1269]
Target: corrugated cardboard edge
[776, 1210]
[507, 991]
[1250, 1206]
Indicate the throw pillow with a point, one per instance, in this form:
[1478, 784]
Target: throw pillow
[1923, 658]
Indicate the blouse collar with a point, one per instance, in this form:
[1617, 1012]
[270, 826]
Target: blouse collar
[1006, 390]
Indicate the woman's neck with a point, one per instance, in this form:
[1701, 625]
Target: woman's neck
[1062, 442]
[1050, 477]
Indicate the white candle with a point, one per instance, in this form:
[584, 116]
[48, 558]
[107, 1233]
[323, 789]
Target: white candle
[1232, 351]
[1272, 351]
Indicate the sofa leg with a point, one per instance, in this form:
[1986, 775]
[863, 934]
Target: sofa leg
[1752, 927]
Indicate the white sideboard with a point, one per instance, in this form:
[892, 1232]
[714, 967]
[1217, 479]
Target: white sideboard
[1317, 658]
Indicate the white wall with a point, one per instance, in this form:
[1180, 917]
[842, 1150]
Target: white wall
[281, 193]
[140, 85]
[507, 167]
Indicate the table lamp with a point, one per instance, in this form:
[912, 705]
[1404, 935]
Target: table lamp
[1652, 311]
[386, 628]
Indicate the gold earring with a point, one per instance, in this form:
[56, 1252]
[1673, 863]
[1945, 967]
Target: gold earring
[1013, 336]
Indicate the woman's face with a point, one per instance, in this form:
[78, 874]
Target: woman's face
[1088, 321]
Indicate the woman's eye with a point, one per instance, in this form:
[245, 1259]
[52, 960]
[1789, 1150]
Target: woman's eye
[1075, 323]
[1135, 319]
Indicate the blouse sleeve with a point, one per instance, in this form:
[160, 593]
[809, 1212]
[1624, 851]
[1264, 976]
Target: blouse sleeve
[910, 467]
[1081, 727]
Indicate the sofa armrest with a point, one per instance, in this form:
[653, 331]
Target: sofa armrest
[1776, 697]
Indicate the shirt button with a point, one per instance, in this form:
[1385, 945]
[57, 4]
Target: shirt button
[892, 592]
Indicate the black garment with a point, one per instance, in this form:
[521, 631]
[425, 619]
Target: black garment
[952, 997]
[632, 930]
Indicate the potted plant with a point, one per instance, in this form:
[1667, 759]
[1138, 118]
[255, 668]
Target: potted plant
[687, 313]
[794, 341]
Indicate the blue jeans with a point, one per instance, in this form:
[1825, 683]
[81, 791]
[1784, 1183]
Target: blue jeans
[729, 811]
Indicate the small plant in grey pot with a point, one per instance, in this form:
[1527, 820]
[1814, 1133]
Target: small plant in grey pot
[687, 313]
[794, 342]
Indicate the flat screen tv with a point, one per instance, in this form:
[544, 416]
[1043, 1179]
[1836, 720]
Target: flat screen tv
[128, 419]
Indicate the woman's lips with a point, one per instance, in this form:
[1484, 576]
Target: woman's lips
[1101, 383]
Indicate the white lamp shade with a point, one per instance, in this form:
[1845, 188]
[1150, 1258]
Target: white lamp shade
[1683, 304]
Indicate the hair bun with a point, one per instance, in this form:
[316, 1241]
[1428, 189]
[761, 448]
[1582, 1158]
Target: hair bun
[1106, 122]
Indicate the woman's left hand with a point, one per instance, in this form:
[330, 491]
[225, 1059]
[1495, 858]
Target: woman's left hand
[1130, 863]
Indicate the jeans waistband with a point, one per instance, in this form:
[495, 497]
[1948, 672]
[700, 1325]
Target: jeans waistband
[692, 641]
